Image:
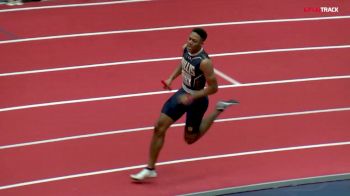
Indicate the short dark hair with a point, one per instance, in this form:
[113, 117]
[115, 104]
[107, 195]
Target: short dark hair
[201, 32]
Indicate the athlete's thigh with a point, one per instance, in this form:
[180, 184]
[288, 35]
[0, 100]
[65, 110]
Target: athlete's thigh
[173, 108]
[195, 114]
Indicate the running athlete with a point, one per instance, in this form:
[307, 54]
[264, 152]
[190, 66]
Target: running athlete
[197, 71]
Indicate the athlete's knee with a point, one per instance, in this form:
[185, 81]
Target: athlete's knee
[160, 129]
[191, 140]
[191, 135]
[161, 125]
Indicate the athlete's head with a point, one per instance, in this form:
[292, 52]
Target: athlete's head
[201, 32]
[196, 40]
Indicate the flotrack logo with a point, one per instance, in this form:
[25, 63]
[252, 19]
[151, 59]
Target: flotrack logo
[322, 9]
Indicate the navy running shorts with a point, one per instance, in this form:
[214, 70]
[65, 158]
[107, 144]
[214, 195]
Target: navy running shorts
[194, 112]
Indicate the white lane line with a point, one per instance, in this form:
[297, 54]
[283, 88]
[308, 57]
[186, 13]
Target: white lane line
[226, 77]
[89, 66]
[71, 5]
[174, 125]
[288, 81]
[84, 100]
[166, 92]
[282, 50]
[76, 137]
[293, 148]
[173, 28]
[172, 59]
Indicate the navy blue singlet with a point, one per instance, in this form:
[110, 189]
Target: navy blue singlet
[192, 77]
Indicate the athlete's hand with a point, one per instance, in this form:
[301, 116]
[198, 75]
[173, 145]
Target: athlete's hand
[186, 99]
[167, 84]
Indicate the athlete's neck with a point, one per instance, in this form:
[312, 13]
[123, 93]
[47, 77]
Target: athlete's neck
[199, 51]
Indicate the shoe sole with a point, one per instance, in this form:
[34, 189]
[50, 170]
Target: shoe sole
[140, 180]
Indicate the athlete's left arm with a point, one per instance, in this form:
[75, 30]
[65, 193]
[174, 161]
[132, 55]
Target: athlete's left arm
[212, 84]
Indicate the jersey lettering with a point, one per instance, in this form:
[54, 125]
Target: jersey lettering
[186, 78]
[187, 67]
[192, 76]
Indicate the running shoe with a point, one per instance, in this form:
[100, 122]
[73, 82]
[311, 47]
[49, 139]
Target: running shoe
[222, 105]
[143, 174]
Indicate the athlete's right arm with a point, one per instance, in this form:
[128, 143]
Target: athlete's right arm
[176, 72]
[174, 75]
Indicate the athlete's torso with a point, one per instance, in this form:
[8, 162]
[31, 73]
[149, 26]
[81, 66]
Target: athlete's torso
[192, 77]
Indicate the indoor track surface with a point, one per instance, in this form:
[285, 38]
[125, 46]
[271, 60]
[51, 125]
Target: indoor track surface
[80, 92]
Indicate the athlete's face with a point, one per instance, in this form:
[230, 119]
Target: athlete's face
[194, 43]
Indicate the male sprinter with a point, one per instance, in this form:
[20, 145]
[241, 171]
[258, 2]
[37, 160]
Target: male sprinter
[197, 71]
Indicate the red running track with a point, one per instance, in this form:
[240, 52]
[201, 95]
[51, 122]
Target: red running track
[123, 79]
[118, 47]
[59, 85]
[91, 117]
[204, 175]
[159, 14]
[113, 151]
[285, 65]
[86, 83]
[105, 152]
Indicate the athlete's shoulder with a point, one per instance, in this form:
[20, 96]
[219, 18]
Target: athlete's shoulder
[204, 55]
[206, 62]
